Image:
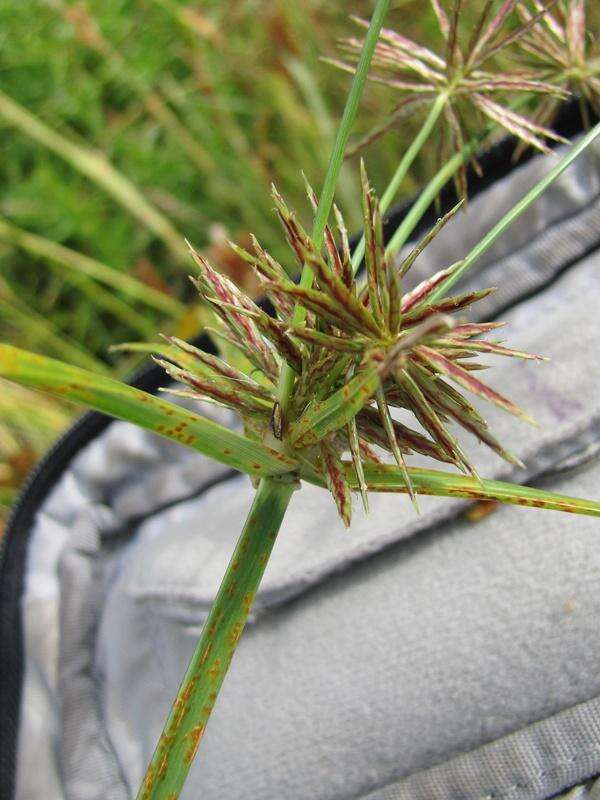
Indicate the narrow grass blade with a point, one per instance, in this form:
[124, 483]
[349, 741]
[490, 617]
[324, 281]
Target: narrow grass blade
[84, 265]
[336, 160]
[132, 405]
[96, 167]
[389, 478]
[44, 332]
[514, 213]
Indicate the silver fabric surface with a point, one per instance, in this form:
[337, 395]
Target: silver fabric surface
[425, 657]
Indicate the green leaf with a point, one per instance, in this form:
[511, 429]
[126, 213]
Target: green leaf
[132, 405]
[388, 478]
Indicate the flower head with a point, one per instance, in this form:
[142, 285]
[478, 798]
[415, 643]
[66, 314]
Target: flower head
[461, 75]
[559, 47]
[365, 348]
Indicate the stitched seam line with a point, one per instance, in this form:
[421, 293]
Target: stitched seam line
[507, 791]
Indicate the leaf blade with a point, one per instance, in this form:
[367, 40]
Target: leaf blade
[388, 478]
[145, 410]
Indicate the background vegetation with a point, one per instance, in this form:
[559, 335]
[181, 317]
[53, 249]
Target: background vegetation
[126, 125]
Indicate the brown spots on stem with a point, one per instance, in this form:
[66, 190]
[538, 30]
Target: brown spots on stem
[219, 617]
[205, 654]
[248, 598]
[189, 689]
[214, 671]
[235, 633]
[162, 767]
[195, 735]
[148, 784]
[180, 710]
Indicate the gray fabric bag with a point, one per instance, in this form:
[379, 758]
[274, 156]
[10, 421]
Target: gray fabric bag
[421, 658]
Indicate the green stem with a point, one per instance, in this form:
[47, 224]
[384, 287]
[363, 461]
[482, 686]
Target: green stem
[430, 192]
[336, 160]
[515, 212]
[402, 169]
[196, 697]
[96, 167]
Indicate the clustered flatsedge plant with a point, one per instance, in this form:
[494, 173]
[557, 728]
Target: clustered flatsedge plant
[460, 77]
[316, 382]
[564, 52]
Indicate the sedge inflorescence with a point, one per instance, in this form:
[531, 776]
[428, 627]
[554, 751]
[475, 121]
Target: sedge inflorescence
[562, 50]
[466, 75]
[366, 347]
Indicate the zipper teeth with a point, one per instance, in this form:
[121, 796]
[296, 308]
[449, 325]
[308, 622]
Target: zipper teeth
[69, 436]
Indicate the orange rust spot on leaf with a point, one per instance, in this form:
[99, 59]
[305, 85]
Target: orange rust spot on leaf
[205, 654]
[162, 767]
[195, 735]
[214, 671]
[189, 689]
[181, 710]
[235, 634]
